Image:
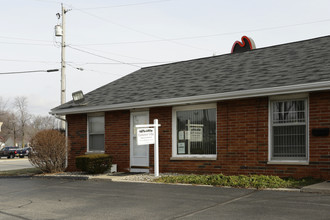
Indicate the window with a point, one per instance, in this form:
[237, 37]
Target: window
[96, 133]
[194, 131]
[288, 130]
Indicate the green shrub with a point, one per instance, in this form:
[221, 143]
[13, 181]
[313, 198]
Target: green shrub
[241, 181]
[94, 163]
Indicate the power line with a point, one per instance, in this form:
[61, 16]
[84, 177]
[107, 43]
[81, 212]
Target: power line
[139, 31]
[29, 71]
[32, 44]
[96, 71]
[206, 36]
[26, 39]
[48, 1]
[28, 61]
[137, 63]
[84, 51]
[125, 5]
[116, 54]
[86, 63]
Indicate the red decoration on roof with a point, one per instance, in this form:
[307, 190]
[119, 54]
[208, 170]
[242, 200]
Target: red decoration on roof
[246, 45]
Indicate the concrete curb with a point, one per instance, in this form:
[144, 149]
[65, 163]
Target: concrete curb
[61, 177]
[119, 179]
[323, 188]
[15, 177]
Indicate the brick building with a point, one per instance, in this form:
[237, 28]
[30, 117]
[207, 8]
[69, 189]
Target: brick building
[264, 111]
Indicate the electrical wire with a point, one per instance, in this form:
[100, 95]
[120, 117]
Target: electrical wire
[125, 5]
[139, 31]
[137, 63]
[26, 39]
[116, 54]
[48, 1]
[86, 63]
[28, 44]
[206, 36]
[28, 61]
[96, 71]
[29, 71]
[93, 54]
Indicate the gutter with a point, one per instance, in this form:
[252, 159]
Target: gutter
[319, 86]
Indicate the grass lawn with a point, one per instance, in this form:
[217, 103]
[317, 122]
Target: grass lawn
[240, 181]
[21, 172]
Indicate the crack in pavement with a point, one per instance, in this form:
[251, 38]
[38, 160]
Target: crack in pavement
[34, 189]
[12, 215]
[190, 214]
[20, 206]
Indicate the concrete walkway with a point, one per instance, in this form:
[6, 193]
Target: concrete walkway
[323, 187]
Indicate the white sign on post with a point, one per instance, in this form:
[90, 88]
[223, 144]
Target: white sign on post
[145, 136]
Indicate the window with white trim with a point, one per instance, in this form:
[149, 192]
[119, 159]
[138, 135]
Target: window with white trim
[194, 130]
[95, 133]
[289, 130]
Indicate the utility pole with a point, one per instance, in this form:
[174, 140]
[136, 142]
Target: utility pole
[60, 32]
[63, 77]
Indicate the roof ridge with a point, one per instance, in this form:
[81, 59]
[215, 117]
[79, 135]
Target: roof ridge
[294, 63]
[228, 54]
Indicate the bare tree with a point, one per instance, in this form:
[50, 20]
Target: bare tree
[23, 116]
[3, 106]
[39, 123]
[9, 127]
[3, 112]
[49, 151]
[19, 125]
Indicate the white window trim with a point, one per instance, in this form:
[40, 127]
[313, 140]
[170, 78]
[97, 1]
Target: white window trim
[301, 96]
[94, 115]
[175, 156]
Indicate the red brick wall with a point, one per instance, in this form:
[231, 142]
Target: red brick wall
[77, 133]
[117, 127]
[242, 136]
[242, 139]
[319, 117]
[117, 138]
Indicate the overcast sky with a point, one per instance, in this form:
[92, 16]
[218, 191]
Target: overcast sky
[112, 38]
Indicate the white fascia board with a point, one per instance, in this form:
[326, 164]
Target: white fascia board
[201, 98]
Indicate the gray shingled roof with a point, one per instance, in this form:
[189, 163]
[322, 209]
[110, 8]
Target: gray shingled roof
[283, 65]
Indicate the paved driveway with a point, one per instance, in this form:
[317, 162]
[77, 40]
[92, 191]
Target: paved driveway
[26, 198]
[14, 164]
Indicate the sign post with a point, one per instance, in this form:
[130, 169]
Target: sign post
[147, 135]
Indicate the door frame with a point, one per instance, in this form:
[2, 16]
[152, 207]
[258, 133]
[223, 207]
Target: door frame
[137, 169]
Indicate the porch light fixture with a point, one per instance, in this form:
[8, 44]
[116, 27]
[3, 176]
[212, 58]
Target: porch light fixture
[78, 97]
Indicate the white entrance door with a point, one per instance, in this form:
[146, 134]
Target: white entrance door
[139, 154]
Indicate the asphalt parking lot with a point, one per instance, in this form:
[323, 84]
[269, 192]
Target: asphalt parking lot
[37, 198]
[14, 164]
